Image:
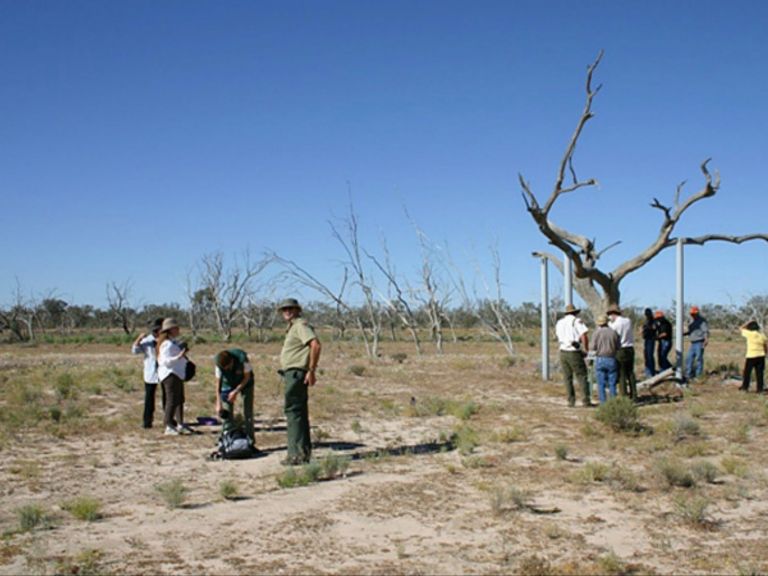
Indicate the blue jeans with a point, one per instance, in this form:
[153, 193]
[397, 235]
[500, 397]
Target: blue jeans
[695, 355]
[664, 347]
[607, 374]
[648, 350]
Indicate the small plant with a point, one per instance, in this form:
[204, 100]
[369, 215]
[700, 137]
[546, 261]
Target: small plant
[685, 427]
[508, 499]
[65, 386]
[592, 472]
[734, 466]
[357, 428]
[611, 565]
[173, 492]
[86, 563]
[705, 471]
[626, 479]
[561, 452]
[464, 411]
[741, 433]
[510, 435]
[228, 489]
[399, 357]
[84, 508]
[291, 478]
[534, 566]
[357, 370]
[620, 414]
[465, 439]
[32, 516]
[507, 362]
[674, 473]
[333, 465]
[693, 511]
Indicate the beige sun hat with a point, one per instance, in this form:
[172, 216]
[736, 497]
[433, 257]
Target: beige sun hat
[602, 320]
[571, 309]
[169, 324]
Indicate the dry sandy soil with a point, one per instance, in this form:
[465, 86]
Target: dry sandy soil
[526, 485]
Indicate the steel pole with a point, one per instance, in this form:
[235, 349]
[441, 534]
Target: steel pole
[567, 279]
[679, 309]
[544, 320]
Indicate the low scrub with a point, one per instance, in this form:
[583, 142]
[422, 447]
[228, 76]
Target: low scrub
[675, 473]
[620, 414]
[32, 517]
[84, 508]
[173, 492]
[327, 468]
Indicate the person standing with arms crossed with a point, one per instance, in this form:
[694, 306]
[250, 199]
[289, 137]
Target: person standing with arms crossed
[698, 333]
[298, 366]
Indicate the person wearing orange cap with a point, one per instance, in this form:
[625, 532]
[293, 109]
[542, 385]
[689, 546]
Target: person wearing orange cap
[664, 338]
[698, 334]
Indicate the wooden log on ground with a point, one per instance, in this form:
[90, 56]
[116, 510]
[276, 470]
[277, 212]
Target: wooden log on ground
[649, 383]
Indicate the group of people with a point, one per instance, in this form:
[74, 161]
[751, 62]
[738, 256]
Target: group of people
[611, 350]
[165, 363]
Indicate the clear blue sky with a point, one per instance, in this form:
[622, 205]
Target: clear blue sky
[137, 136]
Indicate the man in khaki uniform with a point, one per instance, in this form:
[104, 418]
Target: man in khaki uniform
[298, 363]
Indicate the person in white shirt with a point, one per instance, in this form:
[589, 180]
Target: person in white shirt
[625, 356]
[574, 343]
[171, 367]
[145, 344]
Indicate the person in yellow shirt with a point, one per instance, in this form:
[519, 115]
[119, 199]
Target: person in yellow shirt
[757, 346]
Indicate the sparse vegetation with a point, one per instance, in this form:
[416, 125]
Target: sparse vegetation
[229, 489]
[84, 508]
[32, 517]
[620, 414]
[173, 492]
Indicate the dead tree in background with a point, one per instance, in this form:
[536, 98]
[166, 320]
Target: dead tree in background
[598, 288]
[430, 293]
[117, 300]
[228, 288]
[350, 242]
[398, 304]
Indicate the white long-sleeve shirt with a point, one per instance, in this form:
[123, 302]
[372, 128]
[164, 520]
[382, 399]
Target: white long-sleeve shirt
[169, 360]
[623, 327]
[146, 346]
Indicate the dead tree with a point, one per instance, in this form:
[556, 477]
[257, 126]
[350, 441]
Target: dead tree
[397, 304]
[119, 310]
[597, 287]
[350, 242]
[228, 288]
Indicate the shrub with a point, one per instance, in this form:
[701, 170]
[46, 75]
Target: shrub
[510, 435]
[705, 471]
[592, 472]
[465, 439]
[228, 489]
[674, 473]
[508, 499]
[734, 466]
[65, 386]
[685, 427]
[32, 516]
[620, 414]
[399, 357]
[173, 492]
[464, 411]
[84, 508]
[334, 465]
[357, 370]
[693, 511]
[561, 452]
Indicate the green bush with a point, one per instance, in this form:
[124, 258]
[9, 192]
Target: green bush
[357, 370]
[685, 427]
[399, 357]
[620, 413]
[84, 508]
[561, 452]
[675, 473]
[228, 489]
[705, 471]
[32, 516]
[173, 492]
[65, 386]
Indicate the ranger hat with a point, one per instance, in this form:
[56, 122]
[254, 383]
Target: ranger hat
[169, 324]
[571, 309]
[289, 303]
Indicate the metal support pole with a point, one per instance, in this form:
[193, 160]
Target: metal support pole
[567, 279]
[544, 320]
[679, 310]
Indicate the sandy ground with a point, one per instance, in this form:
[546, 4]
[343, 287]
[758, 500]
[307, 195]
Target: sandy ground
[409, 502]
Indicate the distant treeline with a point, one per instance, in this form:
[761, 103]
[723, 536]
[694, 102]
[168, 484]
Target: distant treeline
[55, 319]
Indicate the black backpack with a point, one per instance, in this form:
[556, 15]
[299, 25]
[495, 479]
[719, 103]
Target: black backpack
[189, 371]
[235, 445]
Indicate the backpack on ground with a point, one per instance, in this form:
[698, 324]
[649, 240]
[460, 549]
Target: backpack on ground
[235, 444]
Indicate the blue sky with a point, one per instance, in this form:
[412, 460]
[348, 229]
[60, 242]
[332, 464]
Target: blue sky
[137, 136]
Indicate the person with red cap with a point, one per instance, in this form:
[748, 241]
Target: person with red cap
[698, 333]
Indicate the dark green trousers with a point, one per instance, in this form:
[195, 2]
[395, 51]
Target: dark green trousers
[573, 365]
[627, 383]
[229, 423]
[297, 415]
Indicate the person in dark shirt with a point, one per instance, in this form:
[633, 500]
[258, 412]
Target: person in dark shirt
[664, 338]
[649, 342]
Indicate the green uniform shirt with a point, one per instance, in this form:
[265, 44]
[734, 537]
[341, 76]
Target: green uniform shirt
[231, 378]
[295, 353]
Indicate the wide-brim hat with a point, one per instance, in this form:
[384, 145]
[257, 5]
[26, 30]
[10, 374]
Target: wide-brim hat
[602, 320]
[289, 303]
[613, 309]
[169, 324]
[156, 325]
[571, 309]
